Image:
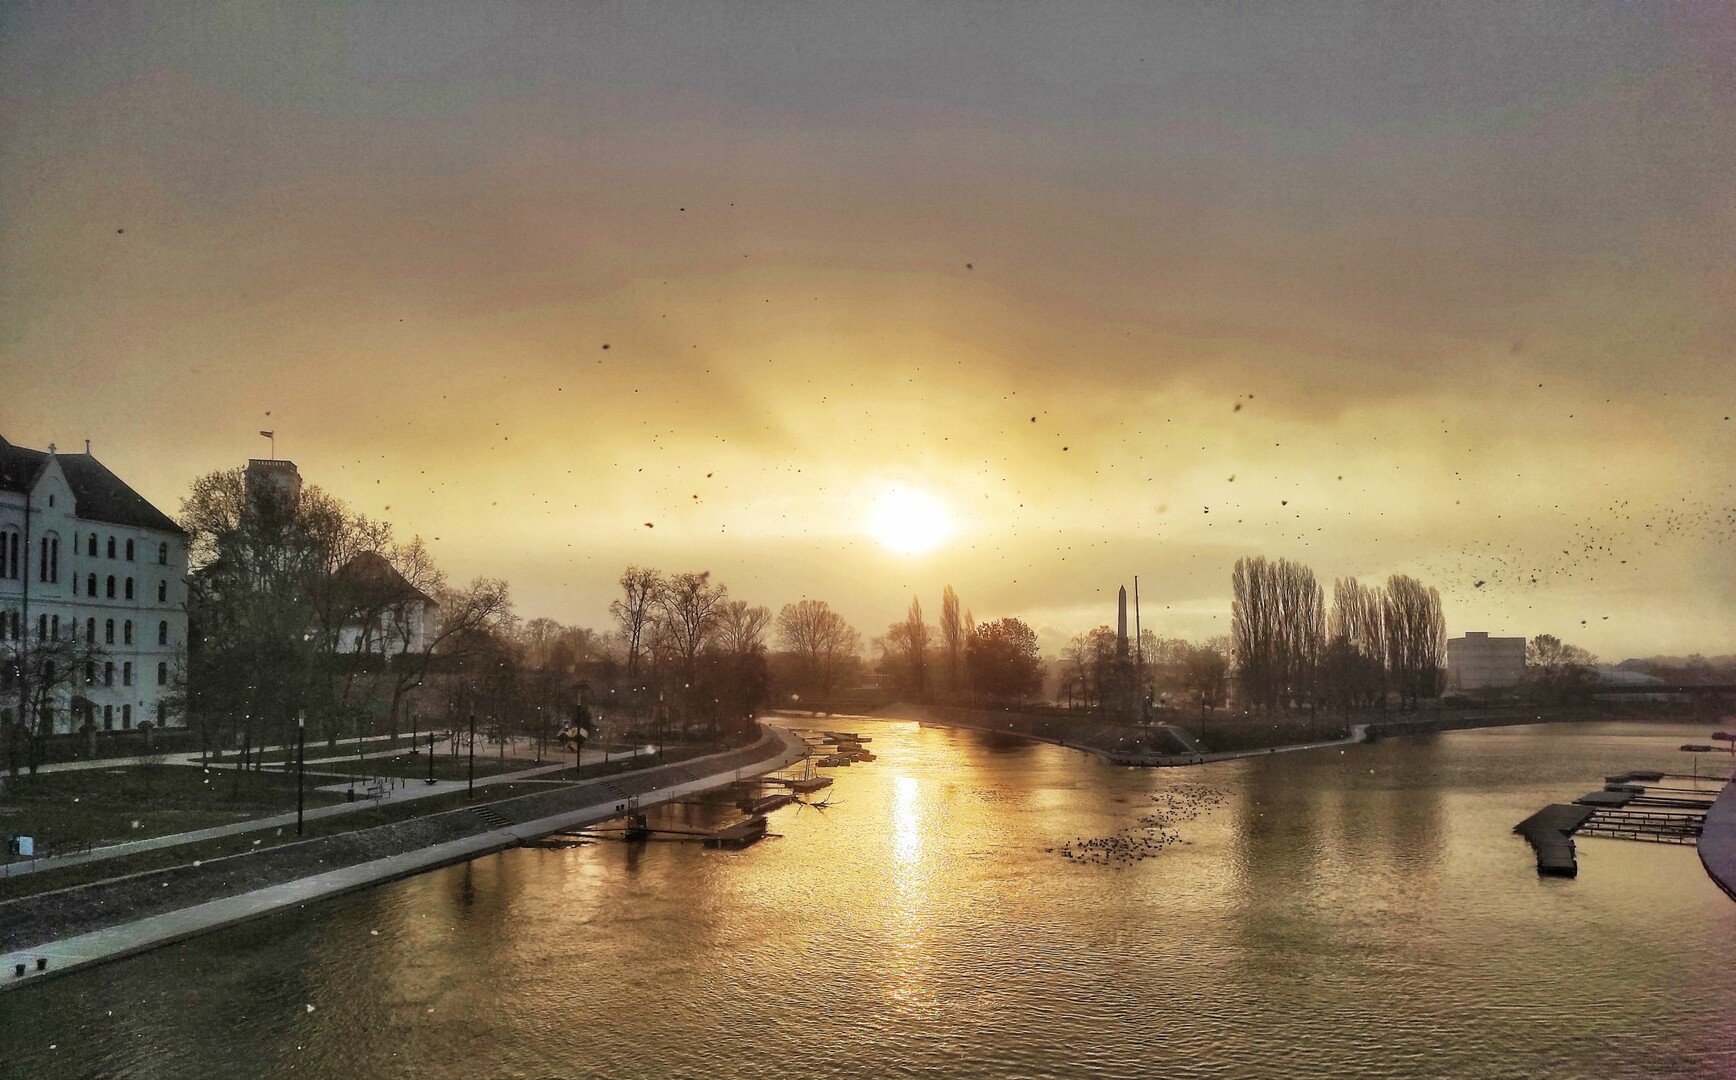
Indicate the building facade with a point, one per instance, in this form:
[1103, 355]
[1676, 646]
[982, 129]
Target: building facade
[88, 568]
[1480, 662]
[388, 616]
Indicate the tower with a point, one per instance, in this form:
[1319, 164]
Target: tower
[1121, 625]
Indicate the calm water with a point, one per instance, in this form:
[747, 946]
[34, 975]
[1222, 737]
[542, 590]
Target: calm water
[1365, 913]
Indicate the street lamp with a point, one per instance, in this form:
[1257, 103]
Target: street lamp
[300, 766]
[430, 758]
[470, 792]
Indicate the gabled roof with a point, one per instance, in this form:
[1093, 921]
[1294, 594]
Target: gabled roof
[99, 493]
[372, 570]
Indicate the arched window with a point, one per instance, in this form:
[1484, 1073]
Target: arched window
[90, 631]
[127, 673]
[54, 628]
[91, 549]
[8, 553]
[108, 632]
[111, 547]
[163, 554]
[42, 628]
[163, 632]
[108, 717]
[162, 673]
[111, 587]
[48, 568]
[126, 717]
[90, 584]
[162, 712]
[127, 631]
[129, 551]
[129, 588]
[108, 673]
[90, 673]
[162, 592]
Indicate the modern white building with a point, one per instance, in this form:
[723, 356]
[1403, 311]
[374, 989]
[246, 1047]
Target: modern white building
[84, 558]
[1480, 662]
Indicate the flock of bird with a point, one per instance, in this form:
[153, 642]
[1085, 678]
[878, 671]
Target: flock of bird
[1619, 539]
[1155, 832]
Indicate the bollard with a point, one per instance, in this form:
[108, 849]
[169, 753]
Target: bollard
[42, 963]
[18, 971]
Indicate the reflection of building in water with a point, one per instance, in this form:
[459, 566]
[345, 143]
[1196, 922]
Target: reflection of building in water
[1480, 662]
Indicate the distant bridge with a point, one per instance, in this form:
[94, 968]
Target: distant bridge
[1712, 689]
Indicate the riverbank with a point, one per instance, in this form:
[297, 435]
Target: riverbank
[1173, 745]
[1155, 746]
[102, 921]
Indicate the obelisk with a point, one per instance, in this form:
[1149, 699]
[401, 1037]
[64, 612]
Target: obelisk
[1121, 625]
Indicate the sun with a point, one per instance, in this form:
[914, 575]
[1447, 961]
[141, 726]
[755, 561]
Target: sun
[908, 521]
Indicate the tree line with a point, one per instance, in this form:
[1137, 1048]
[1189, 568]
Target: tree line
[1294, 652]
[959, 659]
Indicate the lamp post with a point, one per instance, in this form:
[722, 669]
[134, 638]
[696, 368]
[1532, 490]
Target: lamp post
[430, 757]
[300, 767]
[470, 791]
[412, 731]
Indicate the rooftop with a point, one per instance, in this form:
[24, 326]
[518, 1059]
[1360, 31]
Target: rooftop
[100, 494]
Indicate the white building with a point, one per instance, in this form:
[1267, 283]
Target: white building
[84, 557]
[1480, 662]
[389, 616]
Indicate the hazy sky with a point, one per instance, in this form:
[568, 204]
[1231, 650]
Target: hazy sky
[1130, 289]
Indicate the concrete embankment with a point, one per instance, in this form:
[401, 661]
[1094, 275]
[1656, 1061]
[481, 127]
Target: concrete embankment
[1717, 843]
[513, 821]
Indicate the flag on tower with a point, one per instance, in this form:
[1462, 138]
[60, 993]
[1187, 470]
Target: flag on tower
[269, 434]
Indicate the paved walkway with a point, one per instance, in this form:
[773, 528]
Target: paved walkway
[1717, 841]
[115, 942]
[412, 789]
[190, 757]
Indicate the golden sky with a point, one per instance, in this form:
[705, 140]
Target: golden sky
[1129, 291]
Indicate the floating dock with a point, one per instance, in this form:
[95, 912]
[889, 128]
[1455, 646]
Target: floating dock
[764, 804]
[1550, 832]
[739, 835]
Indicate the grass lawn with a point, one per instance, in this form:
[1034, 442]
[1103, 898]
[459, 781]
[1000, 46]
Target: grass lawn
[415, 766]
[107, 806]
[267, 785]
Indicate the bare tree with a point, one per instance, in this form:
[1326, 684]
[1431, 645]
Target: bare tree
[469, 620]
[1278, 620]
[1205, 671]
[41, 673]
[741, 629]
[1555, 669]
[904, 649]
[825, 646]
[1356, 673]
[952, 639]
[1416, 638]
[687, 615]
[635, 612]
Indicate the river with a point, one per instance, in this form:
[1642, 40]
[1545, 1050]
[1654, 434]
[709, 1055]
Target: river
[1355, 913]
